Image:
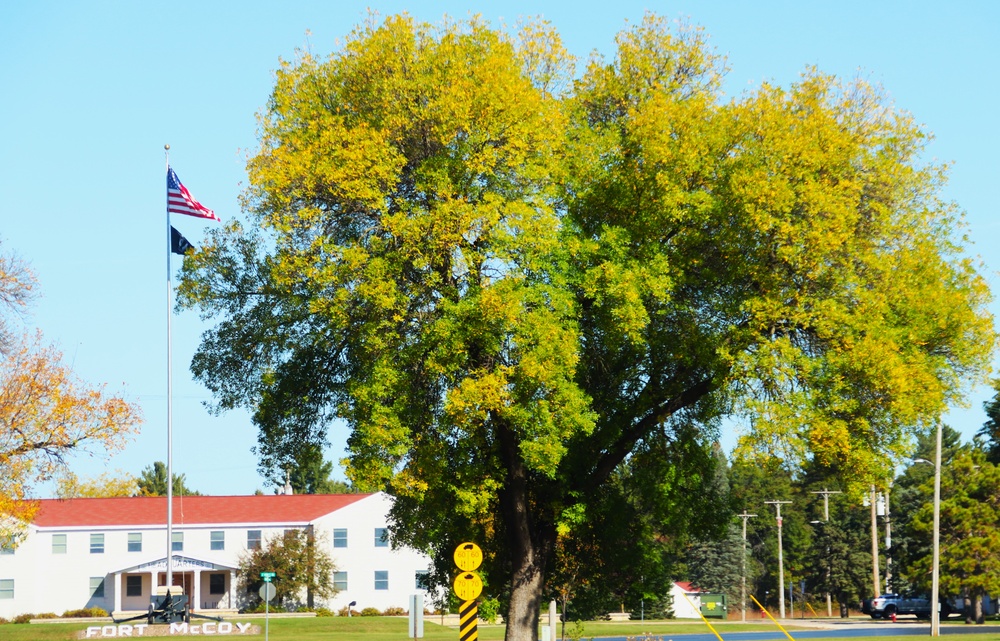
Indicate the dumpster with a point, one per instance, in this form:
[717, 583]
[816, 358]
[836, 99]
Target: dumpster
[713, 605]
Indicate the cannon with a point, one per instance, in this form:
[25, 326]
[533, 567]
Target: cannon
[169, 607]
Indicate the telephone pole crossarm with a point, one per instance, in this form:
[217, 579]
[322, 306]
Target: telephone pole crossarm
[826, 518]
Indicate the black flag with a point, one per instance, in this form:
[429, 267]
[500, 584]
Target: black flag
[179, 244]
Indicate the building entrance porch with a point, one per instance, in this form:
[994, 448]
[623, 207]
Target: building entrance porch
[208, 585]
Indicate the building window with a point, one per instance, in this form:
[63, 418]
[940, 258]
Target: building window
[97, 544]
[381, 537]
[177, 542]
[216, 583]
[340, 537]
[253, 539]
[381, 579]
[6, 588]
[58, 544]
[340, 581]
[97, 587]
[218, 539]
[7, 545]
[420, 579]
[135, 541]
[133, 585]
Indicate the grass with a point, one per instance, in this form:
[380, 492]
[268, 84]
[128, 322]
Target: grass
[394, 629]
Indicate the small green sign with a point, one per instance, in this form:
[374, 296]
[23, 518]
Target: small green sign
[267, 576]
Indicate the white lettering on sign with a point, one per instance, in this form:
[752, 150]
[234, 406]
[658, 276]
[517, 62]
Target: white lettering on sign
[180, 629]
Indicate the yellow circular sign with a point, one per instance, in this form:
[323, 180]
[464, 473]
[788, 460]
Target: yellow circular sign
[468, 557]
[468, 586]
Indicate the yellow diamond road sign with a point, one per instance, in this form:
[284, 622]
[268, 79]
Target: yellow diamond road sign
[468, 557]
[468, 586]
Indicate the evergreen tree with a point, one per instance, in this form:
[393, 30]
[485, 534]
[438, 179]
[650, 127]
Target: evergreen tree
[970, 538]
[153, 482]
[716, 565]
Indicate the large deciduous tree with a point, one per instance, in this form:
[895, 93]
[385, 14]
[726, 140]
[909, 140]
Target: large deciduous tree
[46, 413]
[513, 285]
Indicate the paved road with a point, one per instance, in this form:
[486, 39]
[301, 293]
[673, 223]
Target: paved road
[833, 631]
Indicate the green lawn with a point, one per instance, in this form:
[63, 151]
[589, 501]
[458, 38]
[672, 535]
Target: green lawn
[394, 629]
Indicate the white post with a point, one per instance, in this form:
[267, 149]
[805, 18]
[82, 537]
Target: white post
[416, 619]
[552, 621]
[936, 560]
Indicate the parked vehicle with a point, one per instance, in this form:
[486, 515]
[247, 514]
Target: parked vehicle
[889, 605]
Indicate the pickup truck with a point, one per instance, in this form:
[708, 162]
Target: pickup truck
[888, 605]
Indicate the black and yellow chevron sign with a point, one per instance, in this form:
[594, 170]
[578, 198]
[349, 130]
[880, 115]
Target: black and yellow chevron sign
[468, 618]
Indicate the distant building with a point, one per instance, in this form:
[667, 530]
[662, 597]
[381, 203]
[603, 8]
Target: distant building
[111, 552]
[686, 600]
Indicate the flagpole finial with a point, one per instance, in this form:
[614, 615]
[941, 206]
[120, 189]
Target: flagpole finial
[167, 147]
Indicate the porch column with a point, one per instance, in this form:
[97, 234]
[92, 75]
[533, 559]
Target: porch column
[232, 589]
[116, 585]
[196, 597]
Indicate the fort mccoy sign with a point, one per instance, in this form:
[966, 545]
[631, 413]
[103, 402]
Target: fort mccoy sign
[183, 628]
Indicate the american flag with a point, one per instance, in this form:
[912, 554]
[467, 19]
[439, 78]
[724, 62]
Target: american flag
[179, 200]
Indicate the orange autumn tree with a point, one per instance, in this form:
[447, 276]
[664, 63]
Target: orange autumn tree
[46, 412]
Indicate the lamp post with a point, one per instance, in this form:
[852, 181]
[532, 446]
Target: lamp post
[781, 561]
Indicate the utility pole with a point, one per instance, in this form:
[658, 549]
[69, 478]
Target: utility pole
[875, 573]
[888, 541]
[781, 560]
[745, 517]
[935, 563]
[826, 518]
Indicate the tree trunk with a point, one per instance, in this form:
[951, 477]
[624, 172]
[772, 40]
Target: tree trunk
[967, 609]
[844, 612]
[977, 604]
[529, 543]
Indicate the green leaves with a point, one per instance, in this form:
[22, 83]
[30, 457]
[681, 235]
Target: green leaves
[531, 296]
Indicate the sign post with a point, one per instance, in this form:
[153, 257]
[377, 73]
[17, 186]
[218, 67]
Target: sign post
[468, 586]
[267, 592]
[416, 616]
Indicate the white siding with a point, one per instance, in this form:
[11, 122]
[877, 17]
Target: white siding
[47, 582]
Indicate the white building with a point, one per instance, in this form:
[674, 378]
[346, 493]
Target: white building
[111, 552]
[686, 600]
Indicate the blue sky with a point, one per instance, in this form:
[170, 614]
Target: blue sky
[93, 90]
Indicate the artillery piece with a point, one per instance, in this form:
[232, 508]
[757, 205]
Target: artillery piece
[168, 608]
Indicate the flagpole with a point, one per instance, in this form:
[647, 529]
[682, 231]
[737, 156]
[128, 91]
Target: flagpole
[170, 425]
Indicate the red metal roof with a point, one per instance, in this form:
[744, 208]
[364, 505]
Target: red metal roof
[190, 510]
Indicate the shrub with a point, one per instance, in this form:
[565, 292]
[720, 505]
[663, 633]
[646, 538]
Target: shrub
[3, 620]
[394, 612]
[343, 612]
[46, 615]
[85, 612]
[24, 618]
[260, 606]
[370, 612]
[324, 612]
[489, 610]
